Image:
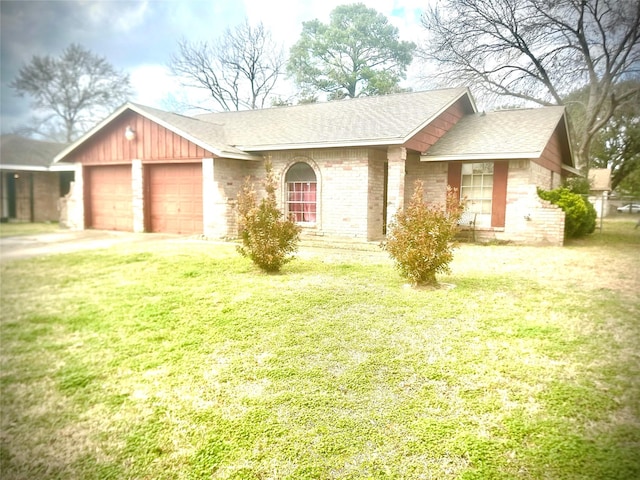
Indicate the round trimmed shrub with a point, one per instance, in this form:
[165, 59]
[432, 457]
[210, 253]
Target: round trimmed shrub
[580, 215]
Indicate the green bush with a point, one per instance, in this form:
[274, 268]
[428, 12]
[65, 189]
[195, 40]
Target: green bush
[268, 238]
[420, 237]
[580, 215]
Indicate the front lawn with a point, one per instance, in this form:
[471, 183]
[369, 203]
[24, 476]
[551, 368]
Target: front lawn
[183, 361]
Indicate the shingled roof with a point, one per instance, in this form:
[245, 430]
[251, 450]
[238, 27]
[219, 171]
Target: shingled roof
[382, 120]
[502, 134]
[366, 121]
[21, 153]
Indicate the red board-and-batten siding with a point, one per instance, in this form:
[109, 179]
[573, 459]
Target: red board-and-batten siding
[553, 154]
[153, 142]
[429, 135]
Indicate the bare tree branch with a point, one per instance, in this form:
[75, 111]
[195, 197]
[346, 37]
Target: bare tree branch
[539, 51]
[239, 70]
[79, 88]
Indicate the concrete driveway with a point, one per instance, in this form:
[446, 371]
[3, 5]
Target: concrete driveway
[65, 241]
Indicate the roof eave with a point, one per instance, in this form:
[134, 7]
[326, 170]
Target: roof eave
[133, 107]
[308, 146]
[38, 168]
[238, 156]
[571, 169]
[209, 148]
[480, 156]
[90, 133]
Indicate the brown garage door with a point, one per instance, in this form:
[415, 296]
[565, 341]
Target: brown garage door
[175, 198]
[109, 195]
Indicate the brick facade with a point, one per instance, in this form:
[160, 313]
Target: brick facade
[350, 189]
[351, 192]
[359, 189]
[528, 219]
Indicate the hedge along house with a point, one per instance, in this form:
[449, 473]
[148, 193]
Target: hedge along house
[31, 184]
[345, 167]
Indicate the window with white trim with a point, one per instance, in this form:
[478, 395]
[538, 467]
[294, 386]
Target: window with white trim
[301, 187]
[476, 186]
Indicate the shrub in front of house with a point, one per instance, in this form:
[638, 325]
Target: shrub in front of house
[420, 238]
[268, 238]
[580, 215]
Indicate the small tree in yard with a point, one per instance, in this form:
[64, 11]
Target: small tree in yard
[420, 237]
[268, 238]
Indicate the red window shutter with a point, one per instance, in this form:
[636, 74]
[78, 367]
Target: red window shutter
[500, 173]
[454, 176]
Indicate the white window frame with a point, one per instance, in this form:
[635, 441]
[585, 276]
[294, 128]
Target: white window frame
[476, 187]
[288, 192]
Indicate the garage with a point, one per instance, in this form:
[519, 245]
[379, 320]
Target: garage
[109, 198]
[174, 202]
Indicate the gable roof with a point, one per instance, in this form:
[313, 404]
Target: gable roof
[365, 121]
[21, 153]
[209, 136]
[381, 120]
[502, 134]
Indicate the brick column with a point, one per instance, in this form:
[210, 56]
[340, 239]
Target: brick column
[137, 190]
[214, 217]
[396, 157]
[75, 200]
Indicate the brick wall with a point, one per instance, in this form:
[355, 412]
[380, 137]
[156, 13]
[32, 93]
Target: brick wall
[433, 176]
[72, 204]
[222, 181]
[351, 192]
[376, 190]
[344, 186]
[529, 219]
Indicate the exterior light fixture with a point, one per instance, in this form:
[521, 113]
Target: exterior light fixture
[129, 133]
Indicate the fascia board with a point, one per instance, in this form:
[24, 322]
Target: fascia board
[168, 126]
[480, 156]
[37, 168]
[307, 146]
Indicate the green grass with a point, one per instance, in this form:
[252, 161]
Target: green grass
[186, 362]
[21, 229]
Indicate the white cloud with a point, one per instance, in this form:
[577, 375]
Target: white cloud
[152, 83]
[133, 18]
[124, 16]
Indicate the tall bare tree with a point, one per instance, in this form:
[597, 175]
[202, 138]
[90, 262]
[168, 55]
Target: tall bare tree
[239, 70]
[540, 51]
[75, 90]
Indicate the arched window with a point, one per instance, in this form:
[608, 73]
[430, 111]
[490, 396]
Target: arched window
[301, 192]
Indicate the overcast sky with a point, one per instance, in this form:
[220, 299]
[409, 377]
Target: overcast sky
[139, 36]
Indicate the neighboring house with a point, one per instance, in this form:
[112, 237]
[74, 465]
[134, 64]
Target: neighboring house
[31, 184]
[344, 167]
[599, 188]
